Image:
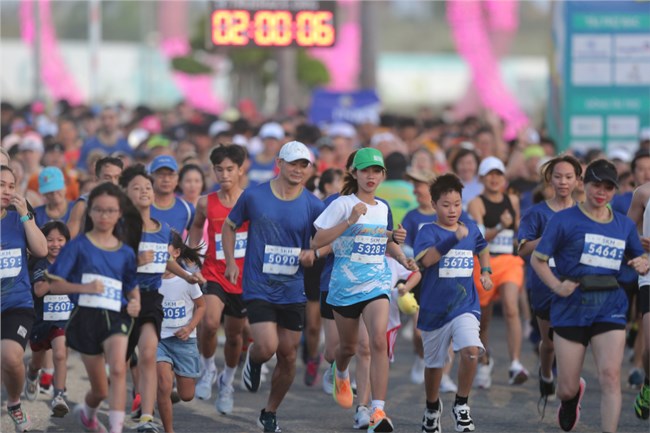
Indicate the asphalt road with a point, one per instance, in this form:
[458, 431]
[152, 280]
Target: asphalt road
[502, 408]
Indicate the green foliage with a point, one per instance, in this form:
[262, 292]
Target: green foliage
[189, 65]
[311, 71]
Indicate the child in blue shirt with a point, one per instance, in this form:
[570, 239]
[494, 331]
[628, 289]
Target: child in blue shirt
[449, 304]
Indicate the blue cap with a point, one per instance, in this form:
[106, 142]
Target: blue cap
[50, 179]
[163, 161]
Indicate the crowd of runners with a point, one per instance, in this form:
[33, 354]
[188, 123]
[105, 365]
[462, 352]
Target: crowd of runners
[133, 236]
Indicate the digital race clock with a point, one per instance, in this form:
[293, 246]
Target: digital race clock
[273, 23]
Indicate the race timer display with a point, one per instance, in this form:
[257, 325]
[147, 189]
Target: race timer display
[272, 23]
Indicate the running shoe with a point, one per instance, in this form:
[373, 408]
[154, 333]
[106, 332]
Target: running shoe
[135, 408]
[32, 388]
[59, 406]
[483, 378]
[268, 422]
[341, 389]
[175, 396]
[89, 425]
[21, 419]
[431, 420]
[361, 418]
[203, 390]
[251, 372]
[311, 371]
[517, 374]
[568, 413]
[642, 403]
[447, 385]
[417, 371]
[635, 379]
[225, 396]
[379, 422]
[462, 419]
[328, 381]
[147, 427]
[546, 392]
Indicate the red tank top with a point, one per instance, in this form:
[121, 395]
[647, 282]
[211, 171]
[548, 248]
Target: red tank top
[214, 265]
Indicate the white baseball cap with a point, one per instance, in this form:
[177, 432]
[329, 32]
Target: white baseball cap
[271, 130]
[294, 151]
[341, 129]
[489, 164]
[31, 141]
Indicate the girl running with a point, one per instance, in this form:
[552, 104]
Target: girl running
[177, 354]
[98, 270]
[52, 313]
[355, 225]
[563, 174]
[19, 232]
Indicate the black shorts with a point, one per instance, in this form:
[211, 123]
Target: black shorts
[151, 311]
[312, 280]
[234, 305]
[88, 328]
[583, 334]
[326, 311]
[354, 311]
[17, 325]
[288, 316]
[644, 300]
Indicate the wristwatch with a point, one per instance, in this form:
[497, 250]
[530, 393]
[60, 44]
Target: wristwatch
[26, 217]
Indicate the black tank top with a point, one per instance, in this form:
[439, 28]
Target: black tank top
[494, 210]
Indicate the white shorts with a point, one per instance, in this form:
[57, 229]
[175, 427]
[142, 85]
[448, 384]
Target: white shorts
[463, 331]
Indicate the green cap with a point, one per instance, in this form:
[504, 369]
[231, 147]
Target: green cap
[367, 157]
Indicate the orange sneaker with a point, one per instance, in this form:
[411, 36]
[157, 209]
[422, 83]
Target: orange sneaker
[341, 390]
[379, 422]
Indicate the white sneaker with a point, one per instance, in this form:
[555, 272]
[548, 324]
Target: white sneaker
[203, 388]
[431, 420]
[462, 418]
[59, 407]
[483, 378]
[265, 370]
[447, 384]
[32, 387]
[327, 381]
[361, 418]
[225, 399]
[517, 374]
[417, 371]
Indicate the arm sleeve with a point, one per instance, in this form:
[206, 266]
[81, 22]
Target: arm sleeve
[425, 239]
[239, 213]
[481, 243]
[529, 227]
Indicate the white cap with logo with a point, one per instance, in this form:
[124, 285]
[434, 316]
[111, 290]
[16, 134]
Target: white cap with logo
[294, 151]
[489, 164]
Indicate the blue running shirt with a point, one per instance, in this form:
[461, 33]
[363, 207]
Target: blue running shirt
[279, 229]
[16, 290]
[149, 276]
[81, 261]
[582, 246]
[448, 288]
[179, 216]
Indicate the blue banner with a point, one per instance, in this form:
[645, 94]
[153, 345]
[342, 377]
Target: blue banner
[362, 106]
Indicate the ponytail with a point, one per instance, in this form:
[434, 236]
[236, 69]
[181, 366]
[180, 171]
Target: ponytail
[188, 255]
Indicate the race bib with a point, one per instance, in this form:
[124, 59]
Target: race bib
[602, 252]
[175, 314]
[368, 249]
[11, 261]
[241, 240]
[111, 299]
[56, 307]
[280, 260]
[456, 263]
[160, 257]
[502, 243]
